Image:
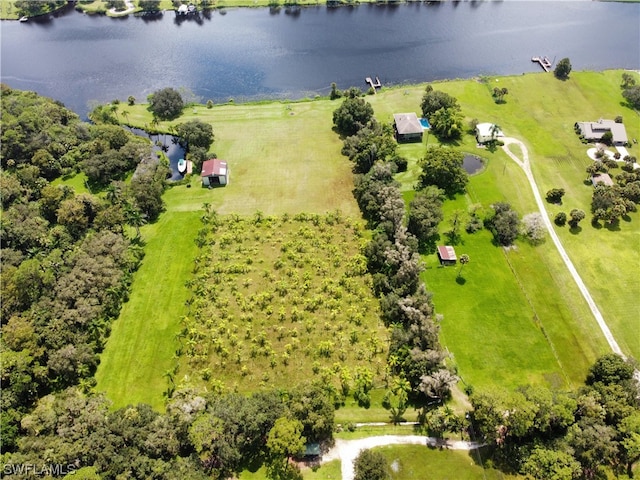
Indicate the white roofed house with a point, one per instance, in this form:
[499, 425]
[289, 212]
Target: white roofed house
[486, 132]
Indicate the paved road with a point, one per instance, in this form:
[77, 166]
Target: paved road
[526, 167]
[347, 450]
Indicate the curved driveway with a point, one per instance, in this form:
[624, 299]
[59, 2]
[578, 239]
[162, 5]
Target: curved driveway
[347, 450]
[526, 167]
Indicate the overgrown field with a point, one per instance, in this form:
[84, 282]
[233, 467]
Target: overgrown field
[278, 300]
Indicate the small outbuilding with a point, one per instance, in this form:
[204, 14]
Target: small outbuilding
[593, 131]
[485, 132]
[214, 173]
[602, 179]
[447, 255]
[407, 126]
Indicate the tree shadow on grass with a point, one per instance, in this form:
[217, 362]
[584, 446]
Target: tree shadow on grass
[576, 230]
[461, 280]
[613, 227]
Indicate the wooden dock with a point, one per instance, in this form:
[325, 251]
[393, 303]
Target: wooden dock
[373, 84]
[544, 62]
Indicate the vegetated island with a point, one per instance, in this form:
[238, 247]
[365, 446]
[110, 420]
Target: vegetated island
[511, 313]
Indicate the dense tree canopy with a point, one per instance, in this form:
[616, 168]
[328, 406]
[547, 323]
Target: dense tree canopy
[354, 113]
[563, 69]
[443, 112]
[195, 133]
[425, 214]
[434, 100]
[370, 465]
[372, 143]
[632, 95]
[442, 167]
[166, 104]
[504, 224]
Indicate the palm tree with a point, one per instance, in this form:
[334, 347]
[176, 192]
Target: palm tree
[136, 219]
[464, 259]
[495, 130]
[112, 193]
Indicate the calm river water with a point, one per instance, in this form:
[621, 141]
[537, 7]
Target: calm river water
[259, 53]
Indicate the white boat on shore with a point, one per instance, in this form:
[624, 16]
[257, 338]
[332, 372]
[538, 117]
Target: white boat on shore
[182, 165]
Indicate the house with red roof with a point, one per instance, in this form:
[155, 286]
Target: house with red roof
[215, 172]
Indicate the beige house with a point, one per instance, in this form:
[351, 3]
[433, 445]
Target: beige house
[593, 131]
[407, 126]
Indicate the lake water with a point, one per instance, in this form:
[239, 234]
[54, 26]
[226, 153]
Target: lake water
[261, 53]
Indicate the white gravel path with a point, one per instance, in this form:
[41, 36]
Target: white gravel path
[130, 8]
[526, 167]
[347, 450]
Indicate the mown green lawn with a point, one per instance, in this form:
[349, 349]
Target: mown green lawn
[326, 471]
[417, 462]
[541, 110]
[282, 157]
[142, 343]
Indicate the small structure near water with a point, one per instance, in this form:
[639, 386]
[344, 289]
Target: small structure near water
[544, 62]
[214, 173]
[372, 84]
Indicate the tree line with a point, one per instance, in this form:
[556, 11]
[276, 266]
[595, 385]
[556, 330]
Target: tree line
[416, 361]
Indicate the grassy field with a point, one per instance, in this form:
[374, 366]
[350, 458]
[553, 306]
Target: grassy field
[142, 343]
[541, 111]
[416, 462]
[518, 316]
[312, 177]
[283, 158]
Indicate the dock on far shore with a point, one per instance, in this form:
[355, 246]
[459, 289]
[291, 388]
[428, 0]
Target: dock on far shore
[373, 84]
[544, 62]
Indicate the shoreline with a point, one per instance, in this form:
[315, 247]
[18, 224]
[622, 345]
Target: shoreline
[99, 7]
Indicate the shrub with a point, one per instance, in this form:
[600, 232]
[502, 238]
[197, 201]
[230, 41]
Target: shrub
[560, 219]
[555, 195]
[533, 227]
[563, 69]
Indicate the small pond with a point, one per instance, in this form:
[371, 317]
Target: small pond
[169, 145]
[472, 163]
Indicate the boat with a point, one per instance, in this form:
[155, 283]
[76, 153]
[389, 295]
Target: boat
[182, 165]
[24, 19]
